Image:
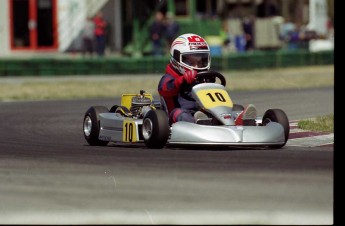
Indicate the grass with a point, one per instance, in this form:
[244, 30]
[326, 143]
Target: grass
[79, 87]
[321, 123]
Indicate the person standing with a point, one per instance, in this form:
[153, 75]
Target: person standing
[172, 29]
[248, 29]
[100, 29]
[157, 29]
[88, 37]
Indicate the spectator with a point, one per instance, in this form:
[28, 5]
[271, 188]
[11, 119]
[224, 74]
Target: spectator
[286, 29]
[171, 30]
[248, 29]
[227, 37]
[100, 30]
[330, 29]
[88, 37]
[157, 29]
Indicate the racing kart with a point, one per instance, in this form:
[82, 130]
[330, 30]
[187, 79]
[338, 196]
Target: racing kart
[140, 118]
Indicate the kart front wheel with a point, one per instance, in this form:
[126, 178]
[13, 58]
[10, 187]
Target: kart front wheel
[91, 125]
[279, 116]
[155, 129]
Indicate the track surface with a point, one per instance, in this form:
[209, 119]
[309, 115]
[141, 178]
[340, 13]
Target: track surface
[49, 175]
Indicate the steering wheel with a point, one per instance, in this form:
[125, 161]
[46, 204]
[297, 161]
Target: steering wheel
[202, 77]
[207, 76]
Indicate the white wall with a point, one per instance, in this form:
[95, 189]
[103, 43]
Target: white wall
[4, 28]
[71, 16]
[267, 32]
[318, 16]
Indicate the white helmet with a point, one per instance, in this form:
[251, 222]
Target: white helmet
[190, 52]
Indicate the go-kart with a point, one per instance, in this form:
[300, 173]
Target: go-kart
[140, 118]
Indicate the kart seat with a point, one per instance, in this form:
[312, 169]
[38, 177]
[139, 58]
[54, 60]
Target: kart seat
[164, 105]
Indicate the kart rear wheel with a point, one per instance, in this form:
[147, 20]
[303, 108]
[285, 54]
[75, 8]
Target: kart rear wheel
[155, 129]
[119, 109]
[113, 108]
[279, 116]
[91, 125]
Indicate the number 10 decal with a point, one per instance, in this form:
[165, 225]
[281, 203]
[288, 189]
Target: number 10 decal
[219, 96]
[129, 131]
[211, 98]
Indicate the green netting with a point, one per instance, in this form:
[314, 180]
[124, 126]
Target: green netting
[150, 64]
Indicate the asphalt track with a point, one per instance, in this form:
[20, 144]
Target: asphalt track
[49, 175]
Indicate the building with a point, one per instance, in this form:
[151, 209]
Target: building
[55, 25]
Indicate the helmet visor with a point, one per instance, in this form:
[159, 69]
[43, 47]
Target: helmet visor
[196, 60]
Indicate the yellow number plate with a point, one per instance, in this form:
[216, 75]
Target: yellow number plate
[214, 98]
[129, 132]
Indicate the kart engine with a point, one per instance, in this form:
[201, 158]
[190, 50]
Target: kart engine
[140, 104]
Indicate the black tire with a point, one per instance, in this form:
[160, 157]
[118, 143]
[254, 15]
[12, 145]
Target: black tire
[119, 109]
[279, 116]
[113, 108]
[156, 129]
[91, 125]
[237, 107]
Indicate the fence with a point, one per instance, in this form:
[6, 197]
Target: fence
[148, 64]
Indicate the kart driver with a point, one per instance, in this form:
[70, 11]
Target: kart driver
[190, 54]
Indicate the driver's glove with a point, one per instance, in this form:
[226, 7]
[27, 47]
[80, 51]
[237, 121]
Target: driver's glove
[189, 76]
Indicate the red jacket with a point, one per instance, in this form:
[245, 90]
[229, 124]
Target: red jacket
[100, 25]
[169, 88]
